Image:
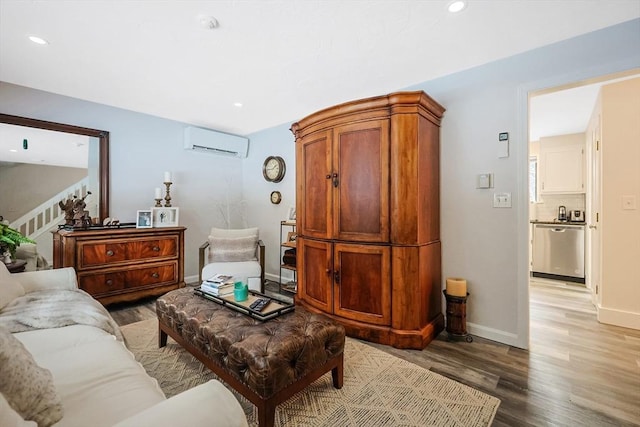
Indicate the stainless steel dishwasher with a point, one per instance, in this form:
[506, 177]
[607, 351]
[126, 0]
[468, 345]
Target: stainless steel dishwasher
[558, 252]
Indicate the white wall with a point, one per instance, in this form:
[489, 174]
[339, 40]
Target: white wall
[487, 246]
[620, 227]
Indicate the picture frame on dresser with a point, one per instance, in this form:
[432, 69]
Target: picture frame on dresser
[144, 219]
[165, 217]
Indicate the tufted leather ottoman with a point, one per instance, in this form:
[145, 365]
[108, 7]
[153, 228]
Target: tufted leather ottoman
[266, 362]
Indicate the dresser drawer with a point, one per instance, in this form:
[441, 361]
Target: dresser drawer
[108, 252]
[115, 281]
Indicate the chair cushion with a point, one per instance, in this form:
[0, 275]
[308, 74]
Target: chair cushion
[233, 245]
[27, 387]
[10, 287]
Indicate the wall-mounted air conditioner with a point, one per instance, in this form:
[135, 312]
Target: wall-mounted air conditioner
[210, 141]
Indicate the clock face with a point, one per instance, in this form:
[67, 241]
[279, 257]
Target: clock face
[276, 197]
[273, 168]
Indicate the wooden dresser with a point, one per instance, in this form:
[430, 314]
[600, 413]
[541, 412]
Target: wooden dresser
[124, 264]
[368, 217]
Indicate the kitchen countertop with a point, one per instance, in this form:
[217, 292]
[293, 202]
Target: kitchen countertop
[535, 221]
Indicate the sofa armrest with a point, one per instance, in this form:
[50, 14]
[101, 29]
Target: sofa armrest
[60, 278]
[209, 404]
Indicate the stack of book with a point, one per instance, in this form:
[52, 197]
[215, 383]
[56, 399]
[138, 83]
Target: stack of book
[219, 285]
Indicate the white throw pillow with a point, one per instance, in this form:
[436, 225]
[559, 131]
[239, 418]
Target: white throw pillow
[10, 287]
[233, 245]
[28, 388]
[10, 418]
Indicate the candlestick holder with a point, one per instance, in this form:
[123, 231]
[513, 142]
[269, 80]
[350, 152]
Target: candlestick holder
[157, 205]
[167, 197]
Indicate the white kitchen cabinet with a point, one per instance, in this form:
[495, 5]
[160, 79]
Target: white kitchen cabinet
[562, 164]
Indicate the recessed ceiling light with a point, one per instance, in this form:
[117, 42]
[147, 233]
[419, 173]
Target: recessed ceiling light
[456, 6]
[38, 40]
[13, 151]
[237, 104]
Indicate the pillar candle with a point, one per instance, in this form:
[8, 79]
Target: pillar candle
[158, 193]
[167, 177]
[456, 287]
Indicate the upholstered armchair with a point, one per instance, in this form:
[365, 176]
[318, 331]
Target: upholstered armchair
[236, 252]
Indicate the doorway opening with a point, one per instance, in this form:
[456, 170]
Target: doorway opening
[564, 187]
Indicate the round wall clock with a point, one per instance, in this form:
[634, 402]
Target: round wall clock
[276, 197]
[274, 168]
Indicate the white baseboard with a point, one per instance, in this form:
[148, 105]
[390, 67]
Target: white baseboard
[495, 335]
[191, 280]
[626, 319]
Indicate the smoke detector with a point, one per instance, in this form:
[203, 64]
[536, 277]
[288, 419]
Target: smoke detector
[208, 22]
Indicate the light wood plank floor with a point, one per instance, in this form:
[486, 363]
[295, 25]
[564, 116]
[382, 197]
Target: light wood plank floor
[578, 372]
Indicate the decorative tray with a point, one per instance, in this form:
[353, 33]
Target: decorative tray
[275, 308]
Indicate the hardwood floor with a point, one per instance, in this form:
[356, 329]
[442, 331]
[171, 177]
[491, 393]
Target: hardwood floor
[578, 372]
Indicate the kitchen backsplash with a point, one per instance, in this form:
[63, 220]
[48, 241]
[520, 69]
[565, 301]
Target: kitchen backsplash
[547, 208]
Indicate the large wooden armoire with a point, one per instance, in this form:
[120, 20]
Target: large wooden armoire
[368, 217]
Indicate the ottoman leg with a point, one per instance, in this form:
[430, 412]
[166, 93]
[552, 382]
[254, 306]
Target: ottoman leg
[266, 414]
[337, 373]
[162, 337]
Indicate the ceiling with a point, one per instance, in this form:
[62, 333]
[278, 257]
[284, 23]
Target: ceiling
[281, 59]
[43, 147]
[566, 110]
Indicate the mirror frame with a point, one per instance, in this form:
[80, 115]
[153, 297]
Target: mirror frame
[103, 140]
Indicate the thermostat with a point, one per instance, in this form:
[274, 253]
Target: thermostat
[503, 145]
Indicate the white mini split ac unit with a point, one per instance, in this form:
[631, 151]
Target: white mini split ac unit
[210, 141]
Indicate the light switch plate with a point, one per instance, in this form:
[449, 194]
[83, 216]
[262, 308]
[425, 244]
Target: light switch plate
[502, 200]
[484, 180]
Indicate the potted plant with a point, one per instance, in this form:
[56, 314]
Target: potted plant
[10, 239]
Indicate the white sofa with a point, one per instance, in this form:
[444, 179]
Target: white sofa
[90, 376]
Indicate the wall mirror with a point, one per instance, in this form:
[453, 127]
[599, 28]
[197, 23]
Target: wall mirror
[48, 153]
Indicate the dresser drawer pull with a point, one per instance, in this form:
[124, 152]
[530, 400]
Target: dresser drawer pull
[109, 282]
[156, 248]
[109, 252]
[155, 275]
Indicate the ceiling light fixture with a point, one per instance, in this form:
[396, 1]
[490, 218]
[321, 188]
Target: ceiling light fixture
[456, 6]
[38, 40]
[237, 104]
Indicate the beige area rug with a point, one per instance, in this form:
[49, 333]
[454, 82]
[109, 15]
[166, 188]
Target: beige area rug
[379, 389]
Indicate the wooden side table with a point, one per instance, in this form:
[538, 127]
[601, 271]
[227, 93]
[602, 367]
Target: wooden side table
[17, 266]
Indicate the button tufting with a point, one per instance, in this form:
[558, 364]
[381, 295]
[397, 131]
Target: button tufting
[266, 356]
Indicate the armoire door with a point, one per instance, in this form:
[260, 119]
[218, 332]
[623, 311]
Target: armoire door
[315, 273]
[362, 283]
[314, 183]
[360, 180]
